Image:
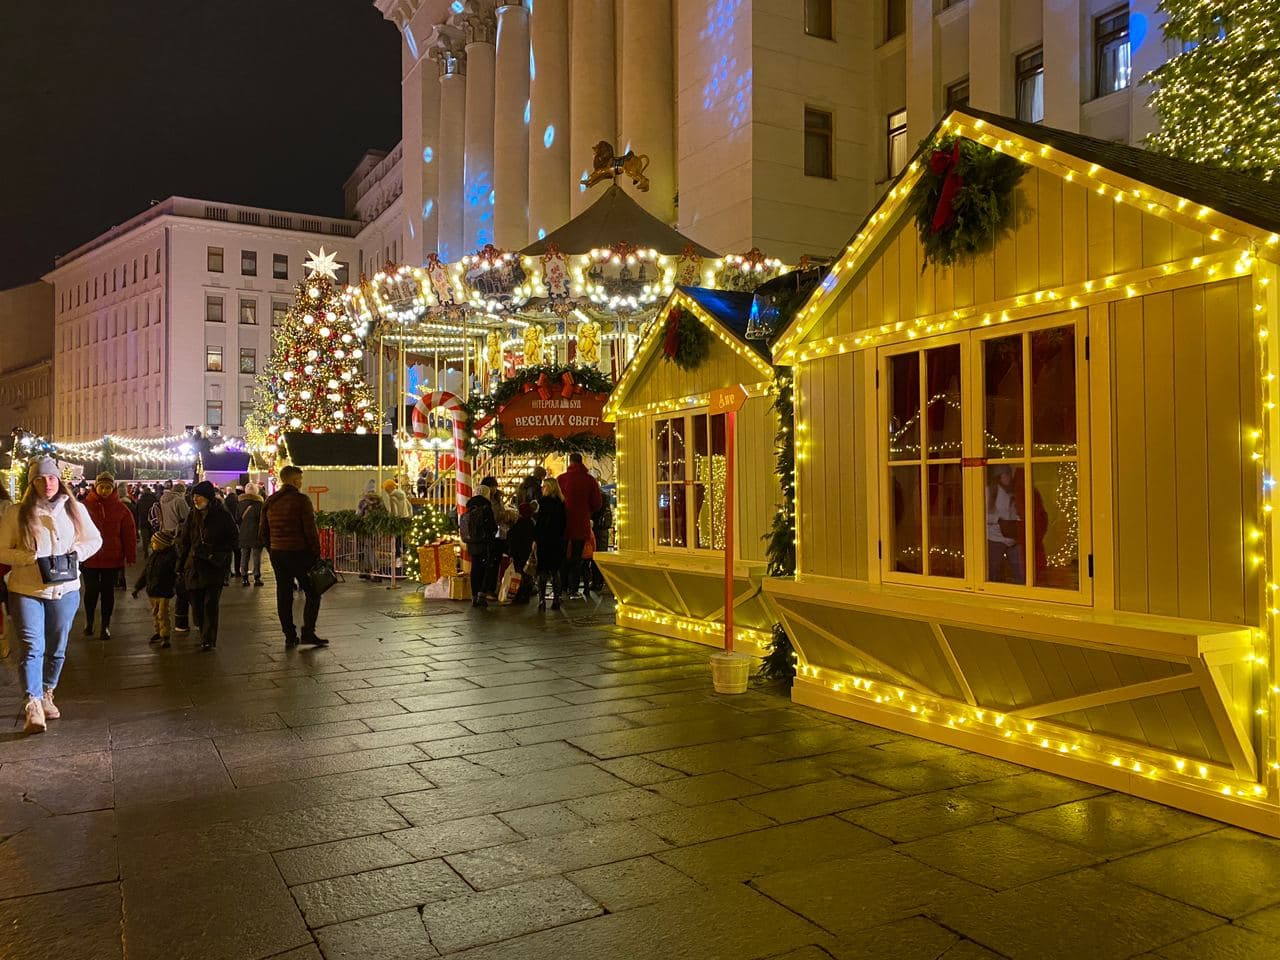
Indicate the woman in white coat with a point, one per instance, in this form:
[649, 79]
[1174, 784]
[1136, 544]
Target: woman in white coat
[47, 523]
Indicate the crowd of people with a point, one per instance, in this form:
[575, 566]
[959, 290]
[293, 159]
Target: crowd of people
[545, 536]
[61, 545]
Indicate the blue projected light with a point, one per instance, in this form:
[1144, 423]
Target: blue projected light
[428, 154]
[528, 111]
[411, 40]
[427, 207]
[549, 136]
[533, 67]
[456, 6]
[542, 234]
[412, 232]
[1137, 30]
[493, 197]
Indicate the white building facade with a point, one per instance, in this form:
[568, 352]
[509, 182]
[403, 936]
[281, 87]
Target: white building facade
[164, 321]
[770, 123]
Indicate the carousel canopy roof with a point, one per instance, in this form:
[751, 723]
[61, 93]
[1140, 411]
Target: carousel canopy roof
[616, 218]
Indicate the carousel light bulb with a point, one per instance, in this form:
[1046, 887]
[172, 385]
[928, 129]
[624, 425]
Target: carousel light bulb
[305, 394]
[295, 422]
[325, 332]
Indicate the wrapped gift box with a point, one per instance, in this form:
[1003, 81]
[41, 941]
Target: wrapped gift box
[439, 559]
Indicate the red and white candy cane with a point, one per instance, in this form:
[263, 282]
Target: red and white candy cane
[421, 428]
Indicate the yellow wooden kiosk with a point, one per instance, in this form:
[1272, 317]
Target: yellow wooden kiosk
[1035, 489]
[668, 570]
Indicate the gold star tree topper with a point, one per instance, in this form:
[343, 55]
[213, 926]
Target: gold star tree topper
[322, 264]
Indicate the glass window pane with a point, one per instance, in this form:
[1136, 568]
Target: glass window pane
[904, 545]
[1053, 392]
[677, 450]
[942, 430]
[679, 523]
[663, 443]
[1006, 529]
[903, 374]
[1055, 514]
[1002, 384]
[946, 520]
[664, 515]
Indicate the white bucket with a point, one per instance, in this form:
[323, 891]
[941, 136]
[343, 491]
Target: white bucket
[730, 672]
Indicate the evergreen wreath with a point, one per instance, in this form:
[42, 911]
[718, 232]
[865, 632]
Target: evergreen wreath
[964, 199]
[484, 408]
[686, 342]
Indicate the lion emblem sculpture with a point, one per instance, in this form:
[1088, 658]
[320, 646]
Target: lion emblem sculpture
[611, 167]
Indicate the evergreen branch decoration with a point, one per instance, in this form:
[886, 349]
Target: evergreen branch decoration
[780, 548]
[484, 408]
[964, 200]
[370, 525]
[686, 343]
[779, 664]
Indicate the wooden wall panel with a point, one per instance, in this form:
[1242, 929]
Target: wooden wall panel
[833, 472]
[1026, 235]
[1101, 233]
[1049, 230]
[1157, 240]
[757, 487]
[636, 490]
[663, 380]
[908, 271]
[854, 450]
[887, 268]
[1183, 402]
[1075, 233]
[1127, 251]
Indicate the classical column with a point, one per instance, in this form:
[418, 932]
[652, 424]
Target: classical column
[550, 176]
[990, 60]
[1064, 89]
[421, 106]
[592, 99]
[447, 50]
[647, 102]
[924, 94]
[479, 25]
[510, 133]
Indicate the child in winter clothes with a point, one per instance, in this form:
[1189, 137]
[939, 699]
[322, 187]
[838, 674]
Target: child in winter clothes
[159, 577]
[520, 545]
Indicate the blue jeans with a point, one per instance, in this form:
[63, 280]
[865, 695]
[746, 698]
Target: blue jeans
[43, 626]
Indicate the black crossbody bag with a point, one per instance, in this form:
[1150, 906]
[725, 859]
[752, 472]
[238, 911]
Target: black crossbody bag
[62, 568]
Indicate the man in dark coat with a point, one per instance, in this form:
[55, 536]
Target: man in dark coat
[204, 556]
[581, 499]
[147, 499]
[288, 532]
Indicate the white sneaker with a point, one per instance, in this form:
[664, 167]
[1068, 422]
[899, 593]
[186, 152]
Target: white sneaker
[34, 713]
[51, 712]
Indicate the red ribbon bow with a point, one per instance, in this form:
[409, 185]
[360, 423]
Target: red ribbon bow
[567, 386]
[544, 387]
[672, 342]
[944, 164]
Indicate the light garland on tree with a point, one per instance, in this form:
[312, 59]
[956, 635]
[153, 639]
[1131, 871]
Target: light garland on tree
[1216, 99]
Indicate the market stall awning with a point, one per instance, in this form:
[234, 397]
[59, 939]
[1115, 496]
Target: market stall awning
[616, 218]
[338, 449]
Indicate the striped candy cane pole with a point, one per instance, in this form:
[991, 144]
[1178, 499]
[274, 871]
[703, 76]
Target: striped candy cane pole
[421, 427]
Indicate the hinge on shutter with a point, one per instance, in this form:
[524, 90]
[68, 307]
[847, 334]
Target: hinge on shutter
[1086, 346]
[880, 549]
[1091, 566]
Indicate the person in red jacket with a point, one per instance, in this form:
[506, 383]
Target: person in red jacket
[119, 549]
[581, 500]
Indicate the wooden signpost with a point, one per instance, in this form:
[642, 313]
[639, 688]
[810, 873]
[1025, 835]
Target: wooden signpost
[729, 401]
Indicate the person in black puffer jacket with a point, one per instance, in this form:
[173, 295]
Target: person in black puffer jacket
[549, 535]
[160, 579]
[204, 558]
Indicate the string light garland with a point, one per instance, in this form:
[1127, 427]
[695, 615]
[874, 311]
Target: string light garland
[1216, 98]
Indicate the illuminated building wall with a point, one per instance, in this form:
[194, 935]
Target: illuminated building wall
[155, 320]
[26, 324]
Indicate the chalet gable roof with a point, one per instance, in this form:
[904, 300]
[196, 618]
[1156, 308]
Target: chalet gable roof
[1225, 204]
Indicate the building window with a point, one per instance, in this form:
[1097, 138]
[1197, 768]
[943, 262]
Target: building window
[246, 411]
[248, 360]
[958, 95]
[213, 359]
[1018, 528]
[135, 271]
[280, 266]
[896, 142]
[248, 311]
[213, 259]
[690, 457]
[817, 143]
[279, 310]
[817, 18]
[342, 274]
[213, 309]
[1111, 66]
[248, 263]
[895, 18]
[157, 265]
[213, 413]
[1029, 85]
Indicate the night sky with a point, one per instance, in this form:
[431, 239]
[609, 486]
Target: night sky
[106, 105]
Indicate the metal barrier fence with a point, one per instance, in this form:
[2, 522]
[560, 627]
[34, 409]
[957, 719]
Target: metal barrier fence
[357, 554]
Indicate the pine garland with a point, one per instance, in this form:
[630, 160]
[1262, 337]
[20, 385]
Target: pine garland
[982, 206]
[377, 524]
[780, 549]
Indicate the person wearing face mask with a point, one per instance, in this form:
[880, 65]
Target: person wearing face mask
[43, 540]
[205, 545]
[102, 572]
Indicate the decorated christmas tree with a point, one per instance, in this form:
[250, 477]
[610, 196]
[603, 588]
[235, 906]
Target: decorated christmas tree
[1216, 99]
[428, 527]
[314, 381]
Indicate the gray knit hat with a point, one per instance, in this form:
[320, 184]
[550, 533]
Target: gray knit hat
[43, 467]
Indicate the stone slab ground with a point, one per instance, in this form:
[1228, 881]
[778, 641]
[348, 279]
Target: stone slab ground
[505, 785]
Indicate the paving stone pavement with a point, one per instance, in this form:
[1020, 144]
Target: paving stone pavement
[508, 785]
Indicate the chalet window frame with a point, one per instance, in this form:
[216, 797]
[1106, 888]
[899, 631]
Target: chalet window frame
[689, 482]
[972, 395]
